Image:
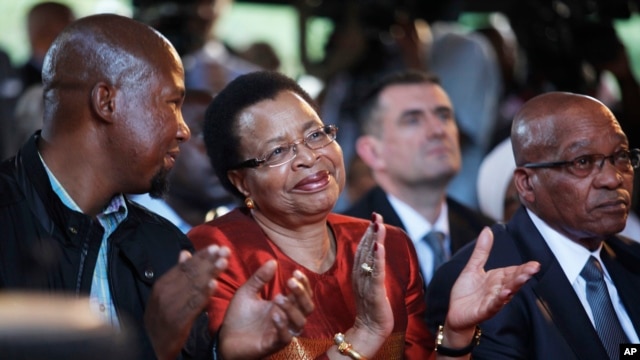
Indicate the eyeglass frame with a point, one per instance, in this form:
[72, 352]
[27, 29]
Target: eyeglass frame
[257, 162]
[631, 153]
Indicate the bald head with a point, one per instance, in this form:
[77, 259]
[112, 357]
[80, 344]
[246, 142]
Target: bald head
[102, 48]
[113, 91]
[542, 122]
[579, 171]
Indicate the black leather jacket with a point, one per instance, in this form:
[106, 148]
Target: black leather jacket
[46, 246]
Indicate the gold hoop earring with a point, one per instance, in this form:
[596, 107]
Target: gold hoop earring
[249, 203]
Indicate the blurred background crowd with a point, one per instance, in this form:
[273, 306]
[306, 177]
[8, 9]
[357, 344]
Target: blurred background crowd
[491, 56]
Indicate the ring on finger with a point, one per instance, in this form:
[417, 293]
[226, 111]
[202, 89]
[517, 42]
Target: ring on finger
[368, 269]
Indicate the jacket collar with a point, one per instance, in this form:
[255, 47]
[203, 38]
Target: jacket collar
[556, 297]
[49, 210]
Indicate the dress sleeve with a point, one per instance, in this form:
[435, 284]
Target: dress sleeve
[228, 281]
[249, 250]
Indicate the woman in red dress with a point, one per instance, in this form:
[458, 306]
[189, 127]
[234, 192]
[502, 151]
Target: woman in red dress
[327, 285]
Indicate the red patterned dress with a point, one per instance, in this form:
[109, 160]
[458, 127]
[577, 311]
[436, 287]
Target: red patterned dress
[335, 309]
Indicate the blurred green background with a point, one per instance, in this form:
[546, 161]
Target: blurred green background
[244, 23]
[275, 24]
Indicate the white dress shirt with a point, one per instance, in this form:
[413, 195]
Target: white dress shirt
[572, 258]
[417, 227]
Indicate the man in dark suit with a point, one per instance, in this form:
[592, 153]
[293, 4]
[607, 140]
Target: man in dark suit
[574, 178]
[411, 143]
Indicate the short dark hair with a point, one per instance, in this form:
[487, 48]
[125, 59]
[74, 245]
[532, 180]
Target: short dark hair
[369, 101]
[220, 125]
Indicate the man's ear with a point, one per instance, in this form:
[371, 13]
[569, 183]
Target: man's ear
[237, 179]
[524, 184]
[103, 101]
[368, 148]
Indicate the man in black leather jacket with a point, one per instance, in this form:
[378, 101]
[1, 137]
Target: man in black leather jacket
[112, 124]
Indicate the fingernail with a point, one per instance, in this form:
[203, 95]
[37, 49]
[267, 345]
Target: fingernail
[297, 274]
[292, 283]
[280, 299]
[375, 246]
[212, 249]
[224, 251]
[373, 217]
[276, 317]
[375, 227]
[221, 263]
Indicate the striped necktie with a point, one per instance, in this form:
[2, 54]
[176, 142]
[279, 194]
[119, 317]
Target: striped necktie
[607, 323]
[435, 239]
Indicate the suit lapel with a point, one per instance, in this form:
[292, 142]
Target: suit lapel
[625, 274]
[384, 208]
[559, 303]
[461, 231]
[555, 296]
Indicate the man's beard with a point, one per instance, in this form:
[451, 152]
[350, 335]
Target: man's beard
[159, 184]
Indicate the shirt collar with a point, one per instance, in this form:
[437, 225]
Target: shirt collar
[162, 208]
[116, 211]
[415, 224]
[571, 255]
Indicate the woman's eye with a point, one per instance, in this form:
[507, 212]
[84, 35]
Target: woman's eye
[277, 150]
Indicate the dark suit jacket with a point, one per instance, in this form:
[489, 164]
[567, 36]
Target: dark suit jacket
[464, 223]
[545, 319]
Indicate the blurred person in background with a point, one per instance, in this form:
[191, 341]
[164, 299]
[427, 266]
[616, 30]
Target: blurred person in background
[468, 69]
[190, 26]
[27, 117]
[570, 46]
[262, 54]
[359, 179]
[10, 87]
[45, 21]
[411, 143]
[368, 41]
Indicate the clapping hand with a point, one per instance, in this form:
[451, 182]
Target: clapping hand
[179, 296]
[374, 317]
[373, 311]
[254, 327]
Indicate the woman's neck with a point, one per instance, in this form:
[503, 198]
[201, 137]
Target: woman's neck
[313, 246]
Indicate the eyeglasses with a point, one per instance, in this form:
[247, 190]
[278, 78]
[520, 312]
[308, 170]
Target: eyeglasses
[284, 153]
[583, 166]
